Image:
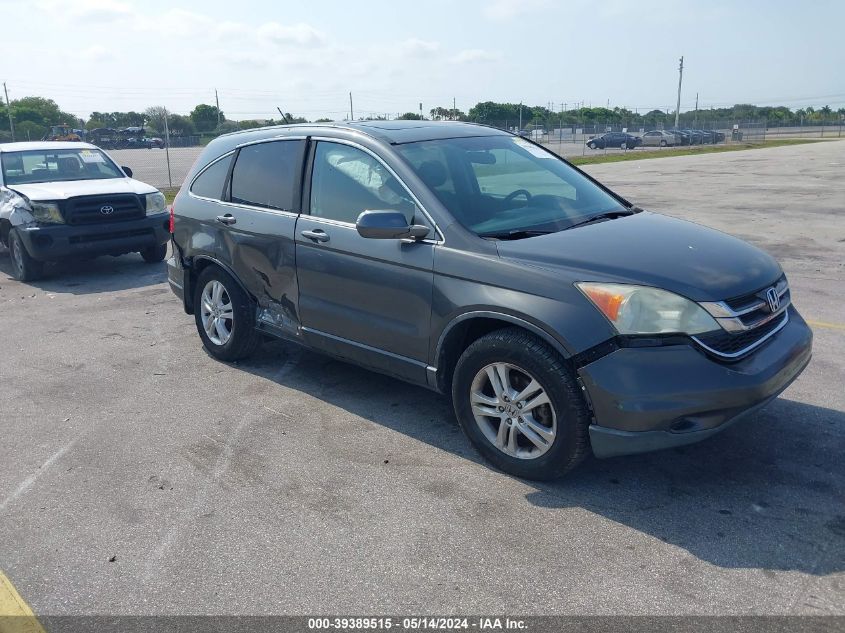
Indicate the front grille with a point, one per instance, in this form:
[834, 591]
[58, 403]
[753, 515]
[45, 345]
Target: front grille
[746, 321]
[90, 209]
[734, 345]
[112, 235]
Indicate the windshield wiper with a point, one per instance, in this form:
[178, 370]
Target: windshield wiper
[514, 234]
[607, 215]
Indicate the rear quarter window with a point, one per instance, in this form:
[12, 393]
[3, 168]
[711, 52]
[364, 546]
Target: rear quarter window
[209, 184]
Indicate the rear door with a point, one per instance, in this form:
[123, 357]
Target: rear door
[368, 300]
[250, 226]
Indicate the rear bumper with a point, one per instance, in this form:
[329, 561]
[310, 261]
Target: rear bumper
[48, 243]
[651, 398]
[177, 277]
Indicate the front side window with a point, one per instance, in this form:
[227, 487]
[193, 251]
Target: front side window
[265, 174]
[31, 166]
[504, 183]
[347, 181]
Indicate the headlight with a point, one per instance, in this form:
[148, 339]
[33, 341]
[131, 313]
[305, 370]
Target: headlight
[645, 310]
[47, 213]
[155, 203]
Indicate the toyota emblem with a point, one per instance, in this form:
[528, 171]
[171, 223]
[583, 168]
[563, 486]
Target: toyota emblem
[107, 209]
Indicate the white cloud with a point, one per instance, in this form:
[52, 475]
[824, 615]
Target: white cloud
[414, 46]
[298, 34]
[88, 10]
[95, 53]
[509, 9]
[476, 55]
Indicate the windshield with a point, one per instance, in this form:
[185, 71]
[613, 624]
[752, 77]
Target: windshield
[501, 184]
[53, 165]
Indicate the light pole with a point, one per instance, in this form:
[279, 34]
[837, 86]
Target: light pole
[680, 80]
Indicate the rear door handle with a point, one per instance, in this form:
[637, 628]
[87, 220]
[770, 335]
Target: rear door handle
[317, 234]
[227, 219]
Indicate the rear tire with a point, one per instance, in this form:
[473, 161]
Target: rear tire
[155, 254]
[24, 267]
[225, 316]
[663, 143]
[532, 369]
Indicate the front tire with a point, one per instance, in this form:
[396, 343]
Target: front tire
[520, 405]
[155, 254]
[24, 267]
[663, 143]
[225, 316]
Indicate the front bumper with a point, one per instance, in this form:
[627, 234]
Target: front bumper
[650, 398]
[62, 241]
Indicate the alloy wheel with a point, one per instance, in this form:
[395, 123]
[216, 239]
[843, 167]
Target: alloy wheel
[217, 312]
[513, 410]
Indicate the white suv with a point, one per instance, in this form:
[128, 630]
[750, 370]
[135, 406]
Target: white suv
[61, 200]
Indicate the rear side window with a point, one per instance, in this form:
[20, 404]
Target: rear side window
[210, 183]
[265, 174]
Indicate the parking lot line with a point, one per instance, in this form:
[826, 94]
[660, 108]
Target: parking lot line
[15, 614]
[825, 324]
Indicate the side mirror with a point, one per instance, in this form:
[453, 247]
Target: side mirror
[388, 225]
[127, 171]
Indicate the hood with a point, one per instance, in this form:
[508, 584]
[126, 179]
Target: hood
[62, 190]
[649, 249]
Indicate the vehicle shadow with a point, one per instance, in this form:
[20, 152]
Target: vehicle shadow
[90, 276]
[766, 494]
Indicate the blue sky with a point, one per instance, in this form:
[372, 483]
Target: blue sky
[306, 56]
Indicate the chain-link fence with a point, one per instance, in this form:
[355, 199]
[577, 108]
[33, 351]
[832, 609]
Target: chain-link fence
[164, 161]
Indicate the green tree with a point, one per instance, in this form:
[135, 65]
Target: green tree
[181, 125]
[154, 118]
[410, 116]
[205, 117]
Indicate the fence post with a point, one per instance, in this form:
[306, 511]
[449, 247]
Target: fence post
[167, 149]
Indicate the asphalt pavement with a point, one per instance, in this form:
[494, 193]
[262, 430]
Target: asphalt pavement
[140, 476]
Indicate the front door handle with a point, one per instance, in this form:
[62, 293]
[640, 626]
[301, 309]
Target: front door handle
[227, 219]
[317, 234]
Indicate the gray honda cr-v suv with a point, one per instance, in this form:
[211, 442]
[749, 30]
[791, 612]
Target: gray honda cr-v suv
[560, 318]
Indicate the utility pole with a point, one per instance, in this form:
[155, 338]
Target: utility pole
[217, 101]
[351, 111]
[520, 116]
[9, 111]
[167, 149]
[695, 124]
[454, 109]
[421, 116]
[680, 80]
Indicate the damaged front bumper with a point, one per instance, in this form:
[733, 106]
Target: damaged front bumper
[60, 241]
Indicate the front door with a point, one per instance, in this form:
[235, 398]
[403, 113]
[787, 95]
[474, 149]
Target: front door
[368, 300]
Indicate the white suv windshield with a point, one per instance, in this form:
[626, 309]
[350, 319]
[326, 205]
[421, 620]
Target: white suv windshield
[53, 165]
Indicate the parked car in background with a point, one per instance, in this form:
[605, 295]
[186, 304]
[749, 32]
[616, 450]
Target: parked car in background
[718, 137]
[659, 138]
[65, 200]
[622, 140]
[558, 316]
[706, 136]
[695, 138]
[153, 141]
[682, 135]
